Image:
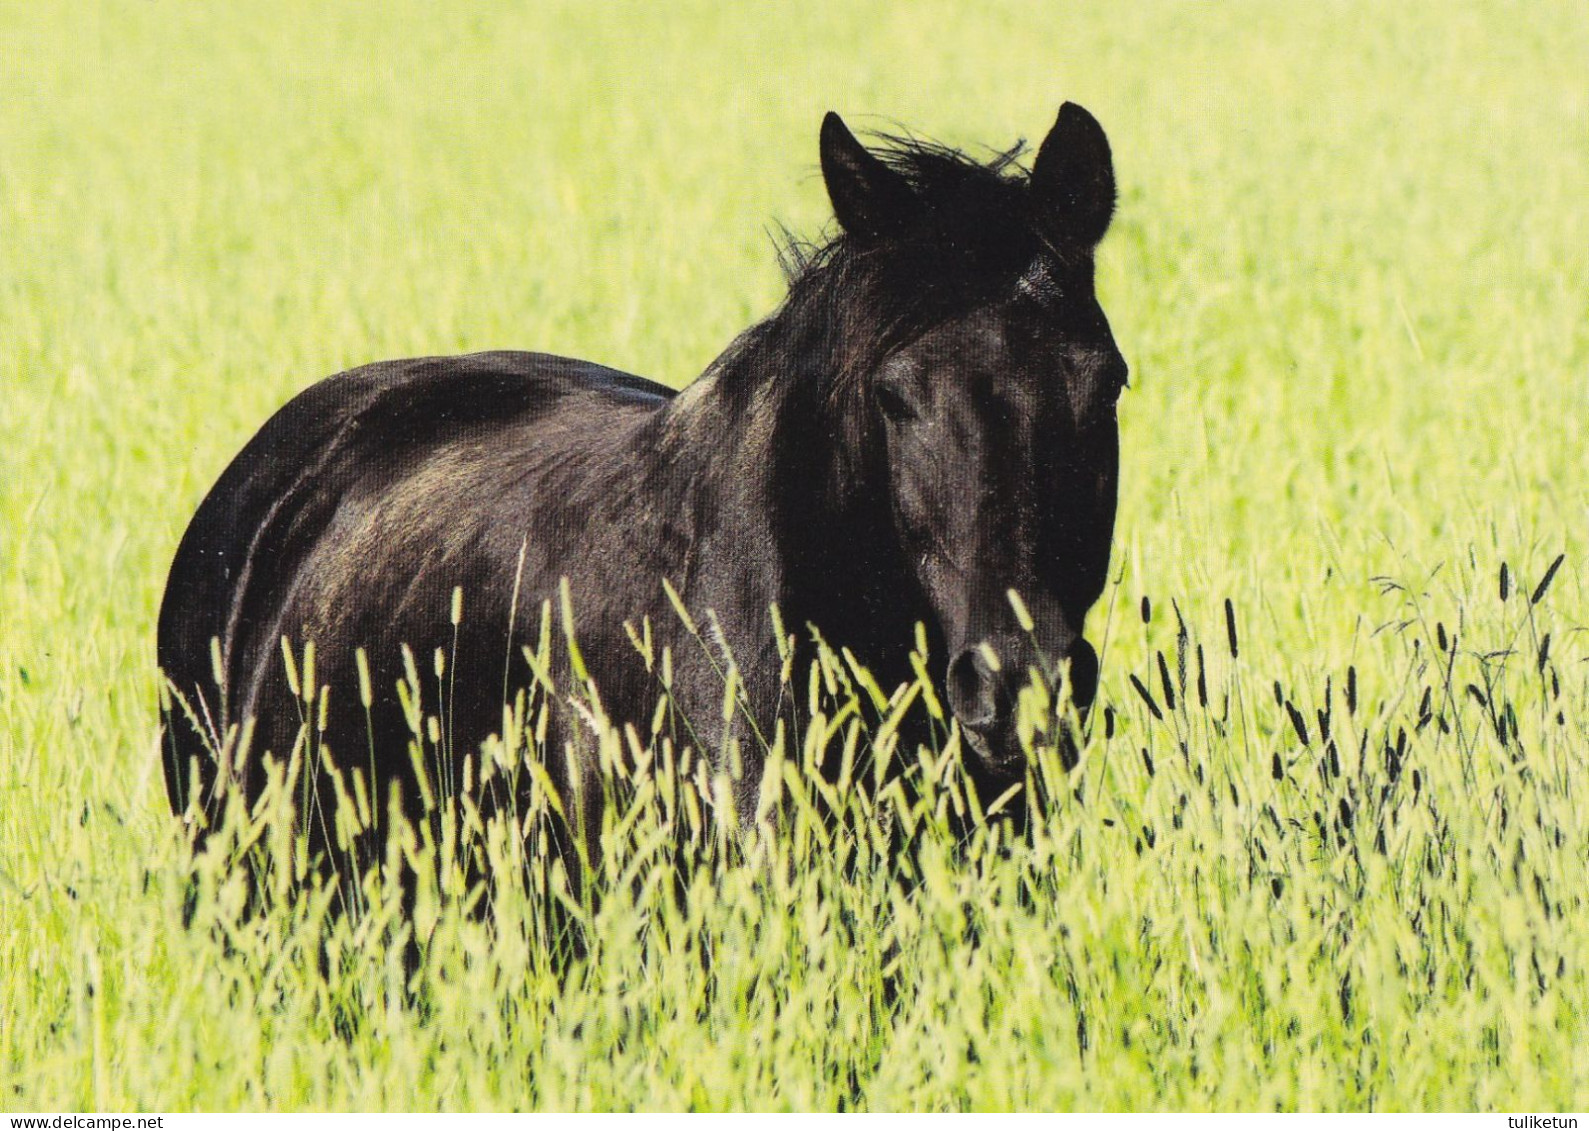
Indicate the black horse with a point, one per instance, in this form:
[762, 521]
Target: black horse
[926, 424]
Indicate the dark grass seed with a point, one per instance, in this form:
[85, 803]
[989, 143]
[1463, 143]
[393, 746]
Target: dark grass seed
[1544, 582]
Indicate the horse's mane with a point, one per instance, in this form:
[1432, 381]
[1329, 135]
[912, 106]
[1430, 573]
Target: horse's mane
[852, 300]
[961, 197]
[970, 238]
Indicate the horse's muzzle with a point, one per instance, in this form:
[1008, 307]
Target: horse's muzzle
[984, 702]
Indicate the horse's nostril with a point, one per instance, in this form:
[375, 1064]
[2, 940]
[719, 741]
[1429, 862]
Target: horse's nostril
[973, 690]
[1083, 673]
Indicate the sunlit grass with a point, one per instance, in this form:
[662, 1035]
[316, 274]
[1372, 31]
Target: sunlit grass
[1343, 868]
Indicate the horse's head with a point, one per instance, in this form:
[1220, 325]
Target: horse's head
[990, 396]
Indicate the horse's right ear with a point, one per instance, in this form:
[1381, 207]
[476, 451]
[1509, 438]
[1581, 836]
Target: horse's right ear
[869, 199]
[1073, 177]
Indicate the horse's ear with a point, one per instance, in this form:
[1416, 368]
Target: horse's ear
[869, 199]
[1073, 178]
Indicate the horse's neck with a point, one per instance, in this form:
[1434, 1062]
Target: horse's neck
[796, 522]
[707, 456]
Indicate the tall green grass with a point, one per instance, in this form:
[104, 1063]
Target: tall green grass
[1339, 864]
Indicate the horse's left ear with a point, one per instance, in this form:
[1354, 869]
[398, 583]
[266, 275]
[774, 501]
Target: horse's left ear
[869, 199]
[1073, 178]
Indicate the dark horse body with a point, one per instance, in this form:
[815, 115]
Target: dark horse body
[926, 424]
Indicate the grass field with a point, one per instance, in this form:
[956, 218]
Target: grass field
[1345, 867]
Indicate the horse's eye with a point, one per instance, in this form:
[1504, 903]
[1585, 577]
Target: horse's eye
[1117, 376]
[893, 403]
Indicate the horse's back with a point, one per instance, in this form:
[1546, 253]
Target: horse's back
[358, 432]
